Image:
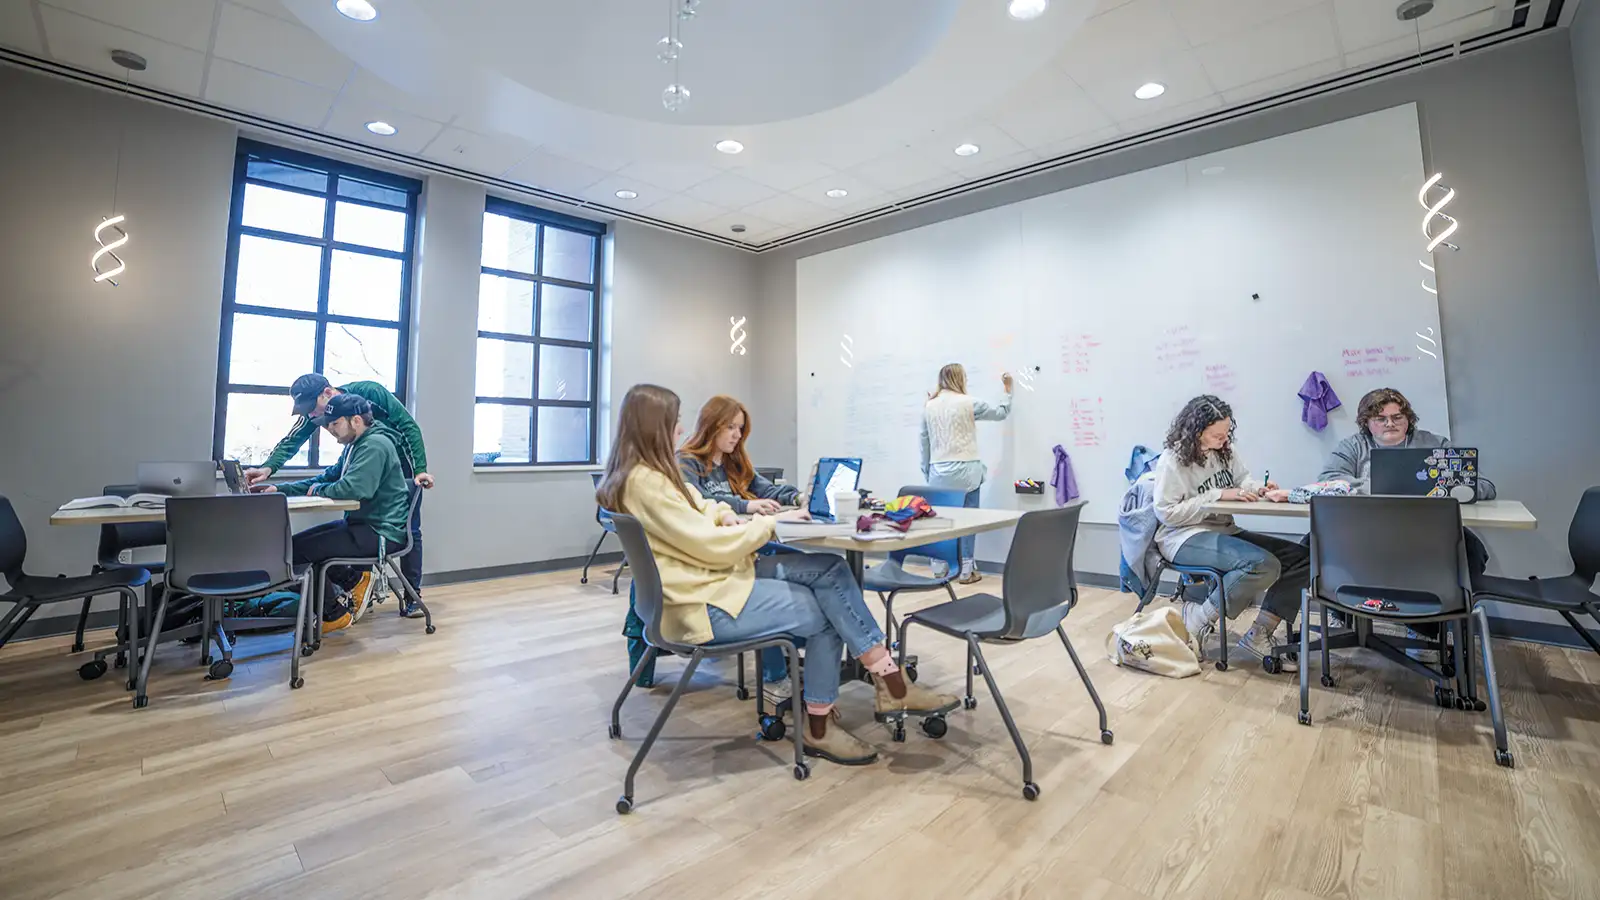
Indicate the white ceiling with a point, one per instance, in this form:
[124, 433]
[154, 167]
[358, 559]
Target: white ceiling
[564, 96]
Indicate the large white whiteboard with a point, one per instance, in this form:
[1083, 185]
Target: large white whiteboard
[1122, 299]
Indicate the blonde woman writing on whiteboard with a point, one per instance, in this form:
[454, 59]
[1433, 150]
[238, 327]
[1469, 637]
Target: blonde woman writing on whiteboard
[950, 445]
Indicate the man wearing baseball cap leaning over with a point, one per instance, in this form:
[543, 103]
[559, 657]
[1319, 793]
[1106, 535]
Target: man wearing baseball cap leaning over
[311, 395]
[369, 471]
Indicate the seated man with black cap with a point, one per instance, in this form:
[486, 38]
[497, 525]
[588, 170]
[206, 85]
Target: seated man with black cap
[368, 471]
[311, 395]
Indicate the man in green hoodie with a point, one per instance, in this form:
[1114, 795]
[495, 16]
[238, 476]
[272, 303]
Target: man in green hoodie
[312, 394]
[368, 471]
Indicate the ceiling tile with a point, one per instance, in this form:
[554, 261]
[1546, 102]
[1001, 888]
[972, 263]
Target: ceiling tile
[730, 190]
[365, 87]
[18, 30]
[186, 23]
[1364, 23]
[673, 177]
[1047, 108]
[489, 154]
[923, 188]
[1204, 21]
[683, 210]
[605, 191]
[786, 175]
[786, 209]
[1182, 73]
[1280, 46]
[282, 48]
[555, 173]
[1129, 35]
[1448, 33]
[992, 144]
[87, 44]
[859, 194]
[1171, 115]
[754, 226]
[589, 155]
[274, 8]
[1078, 142]
[902, 169]
[266, 95]
[1279, 84]
[412, 133]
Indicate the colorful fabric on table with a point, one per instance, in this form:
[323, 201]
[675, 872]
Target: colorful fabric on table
[898, 513]
[1305, 492]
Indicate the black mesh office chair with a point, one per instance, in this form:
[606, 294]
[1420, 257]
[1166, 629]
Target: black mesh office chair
[224, 549]
[1038, 591]
[385, 567]
[1407, 553]
[648, 603]
[29, 592]
[1565, 594]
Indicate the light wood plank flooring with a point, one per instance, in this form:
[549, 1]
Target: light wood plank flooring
[475, 764]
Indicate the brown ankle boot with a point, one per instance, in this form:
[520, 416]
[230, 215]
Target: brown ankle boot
[835, 744]
[918, 700]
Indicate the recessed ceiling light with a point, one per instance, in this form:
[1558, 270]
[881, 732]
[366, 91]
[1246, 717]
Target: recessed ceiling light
[838, 193]
[1150, 90]
[360, 10]
[967, 150]
[627, 195]
[383, 128]
[1026, 9]
[737, 229]
[730, 147]
[1213, 170]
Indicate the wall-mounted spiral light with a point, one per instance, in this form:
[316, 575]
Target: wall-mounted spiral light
[111, 234]
[736, 335]
[847, 351]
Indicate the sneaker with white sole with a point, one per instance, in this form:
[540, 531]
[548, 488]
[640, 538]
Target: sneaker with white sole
[775, 692]
[1259, 642]
[361, 597]
[1199, 619]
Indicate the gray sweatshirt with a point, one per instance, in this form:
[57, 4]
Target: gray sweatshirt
[713, 485]
[1351, 460]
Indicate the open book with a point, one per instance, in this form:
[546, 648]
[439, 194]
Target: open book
[141, 501]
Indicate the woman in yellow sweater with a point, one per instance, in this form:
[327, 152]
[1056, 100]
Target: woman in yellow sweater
[715, 589]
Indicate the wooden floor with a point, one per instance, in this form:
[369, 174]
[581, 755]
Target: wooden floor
[474, 763]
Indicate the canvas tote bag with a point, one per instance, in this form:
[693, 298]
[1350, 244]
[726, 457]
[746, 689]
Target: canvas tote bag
[1155, 641]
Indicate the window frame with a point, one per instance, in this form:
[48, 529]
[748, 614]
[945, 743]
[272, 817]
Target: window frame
[321, 317]
[544, 218]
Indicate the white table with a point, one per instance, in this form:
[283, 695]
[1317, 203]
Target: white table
[120, 515]
[963, 522]
[1508, 514]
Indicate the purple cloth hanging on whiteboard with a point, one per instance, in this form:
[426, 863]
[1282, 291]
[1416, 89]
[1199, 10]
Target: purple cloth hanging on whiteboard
[1062, 479]
[1319, 399]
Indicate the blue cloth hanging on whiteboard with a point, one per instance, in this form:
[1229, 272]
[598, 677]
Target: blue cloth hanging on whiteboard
[1318, 396]
[1136, 535]
[1140, 461]
[1062, 478]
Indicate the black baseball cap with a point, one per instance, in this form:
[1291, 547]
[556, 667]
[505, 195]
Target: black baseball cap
[343, 405]
[305, 391]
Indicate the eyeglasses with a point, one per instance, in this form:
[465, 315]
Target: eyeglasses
[1390, 420]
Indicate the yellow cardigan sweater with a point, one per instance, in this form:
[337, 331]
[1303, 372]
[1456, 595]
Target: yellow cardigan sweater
[702, 563]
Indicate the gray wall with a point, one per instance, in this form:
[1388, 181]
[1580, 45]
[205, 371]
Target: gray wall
[94, 379]
[1520, 303]
[1585, 39]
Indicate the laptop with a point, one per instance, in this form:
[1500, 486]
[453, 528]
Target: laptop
[178, 479]
[233, 475]
[833, 474]
[1419, 472]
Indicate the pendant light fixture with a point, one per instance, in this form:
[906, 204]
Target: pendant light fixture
[112, 234]
[670, 51]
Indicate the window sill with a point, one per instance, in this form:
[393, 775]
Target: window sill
[586, 467]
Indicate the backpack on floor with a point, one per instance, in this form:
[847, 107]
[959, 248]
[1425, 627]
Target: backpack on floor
[1154, 641]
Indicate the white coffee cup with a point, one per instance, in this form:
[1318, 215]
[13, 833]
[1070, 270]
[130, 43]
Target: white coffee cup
[846, 504]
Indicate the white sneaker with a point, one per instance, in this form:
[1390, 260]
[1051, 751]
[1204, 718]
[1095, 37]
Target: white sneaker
[1258, 642]
[941, 569]
[1198, 619]
[775, 692]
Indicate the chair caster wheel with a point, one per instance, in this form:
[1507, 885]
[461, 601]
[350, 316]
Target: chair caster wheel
[1444, 697]
[1222, 666]
[1106, 737]
[316, 645]
[583, 580]
[624, 805]
[1030, 791]
[1271, 665]
[297, 684]
[1503, 758]
[1479, 705]
[969, 702]
[429, 630]
[305, 651]
[93, 669]
[1463, 704]
[911, 671]
[141, 702]
[77, 648]
[614, 732]
[772, 729]
[935, 727]
[742, 694]
[1447, 670]
[1305, 718]
[899, 735]
[121, 661]
[801, 772]
[219, 670]
[1328, 682]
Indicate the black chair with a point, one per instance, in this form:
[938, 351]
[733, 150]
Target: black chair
[114, 540]
[1565, 594]
[1407, 553]
[385, 566]
[1194, 575]
[602, 516]
[648, 603]
[770, 473]
[29, 592]
[225, 549]
[1038, 591]
[890, 579]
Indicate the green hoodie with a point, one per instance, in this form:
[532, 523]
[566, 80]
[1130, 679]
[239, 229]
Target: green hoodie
[386, 408]
[368, 471]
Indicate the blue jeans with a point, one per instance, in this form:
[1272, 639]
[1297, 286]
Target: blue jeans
[1254, 567]
[812, 596]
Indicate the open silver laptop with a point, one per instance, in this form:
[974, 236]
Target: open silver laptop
[178, 479]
